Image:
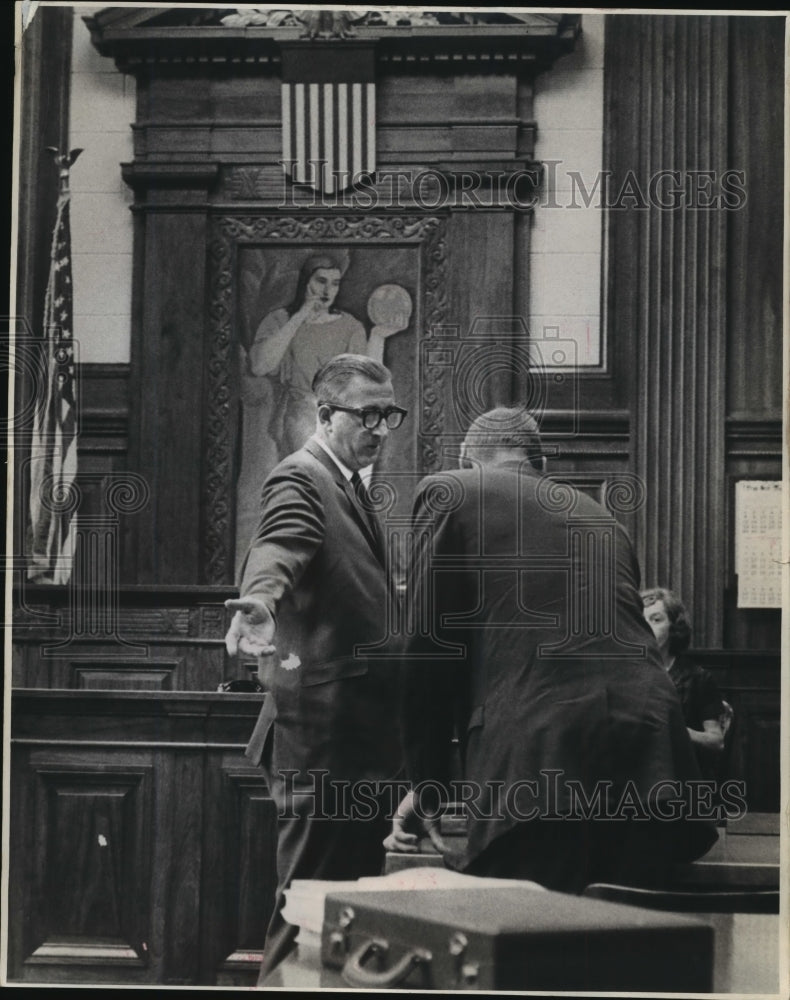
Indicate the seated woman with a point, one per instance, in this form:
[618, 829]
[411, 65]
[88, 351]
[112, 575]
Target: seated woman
[705, 712]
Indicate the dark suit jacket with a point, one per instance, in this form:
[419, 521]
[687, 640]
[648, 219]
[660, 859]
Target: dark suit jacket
[319, 567]
[555, 669]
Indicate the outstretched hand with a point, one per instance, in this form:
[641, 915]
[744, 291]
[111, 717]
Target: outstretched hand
[251, 629]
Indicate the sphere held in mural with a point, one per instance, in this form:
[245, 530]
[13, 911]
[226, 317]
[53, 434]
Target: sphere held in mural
[390, 306]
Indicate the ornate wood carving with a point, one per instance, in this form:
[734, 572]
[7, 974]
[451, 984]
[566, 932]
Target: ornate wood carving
[428, 232]
[140, 39]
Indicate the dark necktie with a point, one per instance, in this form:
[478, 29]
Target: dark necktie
[364, 502]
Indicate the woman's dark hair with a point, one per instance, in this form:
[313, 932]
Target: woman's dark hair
[308, 269]
[679, 623]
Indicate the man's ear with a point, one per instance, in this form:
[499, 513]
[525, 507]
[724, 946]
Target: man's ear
[324, 413]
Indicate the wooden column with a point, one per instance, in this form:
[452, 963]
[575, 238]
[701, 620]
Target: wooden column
[667, 85]
[169, 350]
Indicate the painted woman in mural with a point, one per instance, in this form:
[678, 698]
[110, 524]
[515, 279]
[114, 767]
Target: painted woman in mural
[290, 344]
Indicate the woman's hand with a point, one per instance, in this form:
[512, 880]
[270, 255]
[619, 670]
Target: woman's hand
[711, 736]
[387, 330]
[308, 311]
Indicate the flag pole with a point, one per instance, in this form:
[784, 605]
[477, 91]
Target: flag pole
[53, 457]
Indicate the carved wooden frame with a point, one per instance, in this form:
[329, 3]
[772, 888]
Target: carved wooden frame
[428, 232]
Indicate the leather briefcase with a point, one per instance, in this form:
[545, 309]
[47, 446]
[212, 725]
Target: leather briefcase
[513, 938]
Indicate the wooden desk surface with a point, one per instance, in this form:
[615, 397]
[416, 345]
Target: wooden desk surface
[736, 861]
[746, 856]
[302, 970]
[766, 824]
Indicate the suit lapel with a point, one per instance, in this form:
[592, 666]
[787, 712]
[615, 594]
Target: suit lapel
[374, 538]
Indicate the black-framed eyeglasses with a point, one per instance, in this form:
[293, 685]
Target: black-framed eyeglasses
[371, 416]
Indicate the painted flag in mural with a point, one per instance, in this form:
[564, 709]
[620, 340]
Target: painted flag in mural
[54, 441]
[328, 114]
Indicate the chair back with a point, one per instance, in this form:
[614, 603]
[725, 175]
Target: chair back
[726, 717]
[757, 901]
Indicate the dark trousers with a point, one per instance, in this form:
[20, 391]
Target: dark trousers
[567, 855]
[316, 848]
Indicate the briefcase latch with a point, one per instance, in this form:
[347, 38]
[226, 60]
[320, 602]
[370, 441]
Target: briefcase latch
[466, 973]
[340, 940]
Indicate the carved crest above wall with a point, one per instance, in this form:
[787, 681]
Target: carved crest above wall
[139, 38]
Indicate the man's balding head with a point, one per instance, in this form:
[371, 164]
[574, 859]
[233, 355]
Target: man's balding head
[504, 433]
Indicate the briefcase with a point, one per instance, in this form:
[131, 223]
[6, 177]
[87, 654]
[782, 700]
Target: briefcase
[513, 938]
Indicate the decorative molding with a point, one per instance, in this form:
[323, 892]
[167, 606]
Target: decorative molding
[445, 179]
[104, 406]
[342, 24]
[161, 624]
[141, 176]
[161, 615]
[152, 675]
[587, 434]
[425, 231]
[189, 40]
[249, 183]
[754, 438]
[204, 720]
[112, 22]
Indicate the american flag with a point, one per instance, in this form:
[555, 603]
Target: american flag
[328, 115]
[53, 456]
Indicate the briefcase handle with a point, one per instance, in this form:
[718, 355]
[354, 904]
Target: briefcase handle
[355, 973]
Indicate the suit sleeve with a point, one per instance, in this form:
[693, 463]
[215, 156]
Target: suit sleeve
[432, 688]
[290, 532]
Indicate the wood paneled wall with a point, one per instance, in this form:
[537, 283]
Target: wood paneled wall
[754, 240]
[702, 415]
[755, 302]
[142, 841]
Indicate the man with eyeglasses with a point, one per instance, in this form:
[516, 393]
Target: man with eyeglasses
[315, 590]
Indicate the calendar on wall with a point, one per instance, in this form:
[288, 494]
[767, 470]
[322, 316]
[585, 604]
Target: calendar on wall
[758, 543]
